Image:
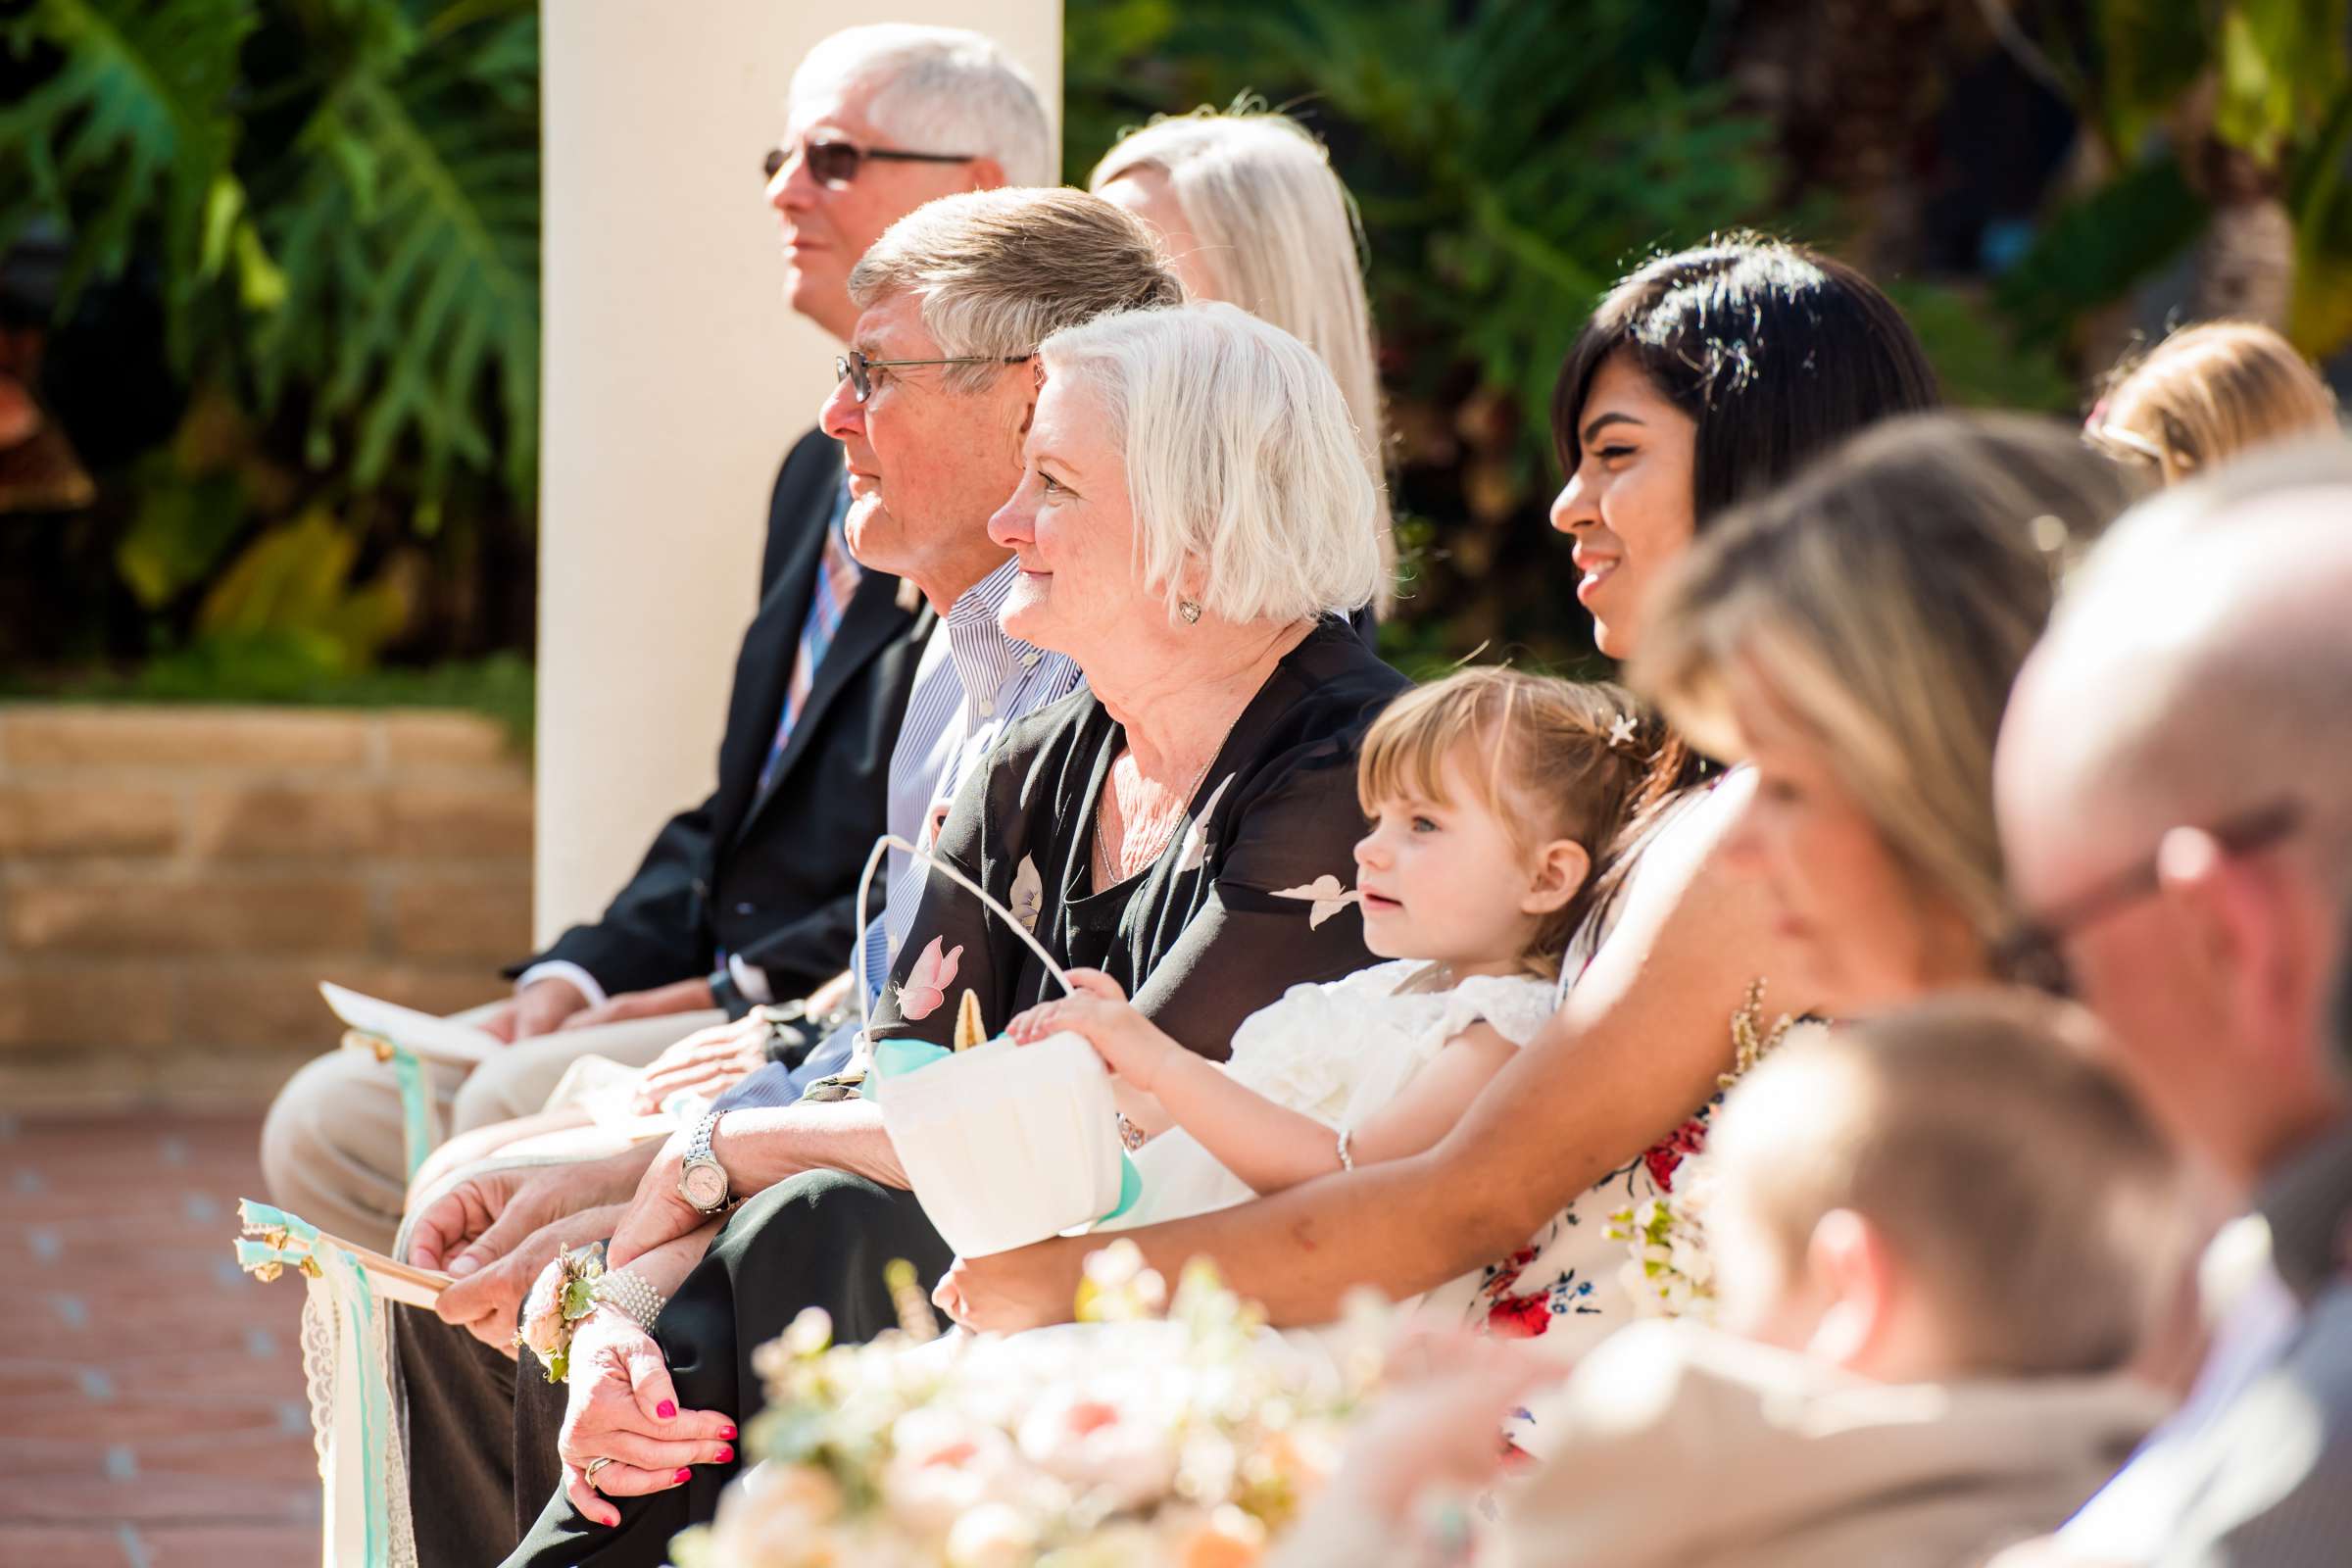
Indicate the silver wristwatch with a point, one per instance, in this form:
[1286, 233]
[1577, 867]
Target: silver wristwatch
[703, 1180]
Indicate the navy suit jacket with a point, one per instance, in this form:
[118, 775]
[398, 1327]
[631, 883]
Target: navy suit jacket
[772, 877]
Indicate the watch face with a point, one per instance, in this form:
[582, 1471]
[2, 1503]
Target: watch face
[703, 1184]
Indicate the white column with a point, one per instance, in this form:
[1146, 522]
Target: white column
[675, 377]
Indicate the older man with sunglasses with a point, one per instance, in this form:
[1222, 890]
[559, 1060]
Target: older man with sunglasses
[2174, 792]
[747, 896]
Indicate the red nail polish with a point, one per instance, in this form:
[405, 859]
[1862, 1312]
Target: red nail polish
[726, 1432]
[727, 1452]
[682, 1476]
[666, 1408]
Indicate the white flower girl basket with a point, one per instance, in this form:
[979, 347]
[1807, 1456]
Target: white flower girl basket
[1004, 1145]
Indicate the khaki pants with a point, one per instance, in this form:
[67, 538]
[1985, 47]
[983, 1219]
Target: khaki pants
[332, 1148]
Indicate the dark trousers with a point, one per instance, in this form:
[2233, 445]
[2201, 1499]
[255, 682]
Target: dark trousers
[483, 1474]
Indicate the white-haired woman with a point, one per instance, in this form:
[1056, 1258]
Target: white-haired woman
[1252, 215]
[1191, 503]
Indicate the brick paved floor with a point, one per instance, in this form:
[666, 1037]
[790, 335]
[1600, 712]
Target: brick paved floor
[151, 1401]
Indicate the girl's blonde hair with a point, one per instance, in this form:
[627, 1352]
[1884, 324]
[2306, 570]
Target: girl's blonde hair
[2207, 393]
[1563, 760]
[1886, 599]
[1279, 237]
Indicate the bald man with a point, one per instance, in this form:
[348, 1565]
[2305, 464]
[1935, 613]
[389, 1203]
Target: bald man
[2175, 790]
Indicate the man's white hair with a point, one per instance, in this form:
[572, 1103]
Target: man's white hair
[1278, 236]
[940, 90]
[1242, 461]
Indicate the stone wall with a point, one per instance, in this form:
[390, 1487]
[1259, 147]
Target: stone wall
[174, 881]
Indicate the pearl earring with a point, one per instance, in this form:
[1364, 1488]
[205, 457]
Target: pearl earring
[1189, 610]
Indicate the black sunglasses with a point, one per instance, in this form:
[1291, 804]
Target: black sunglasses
[836, 162]
[2033, 952]
[854, 367]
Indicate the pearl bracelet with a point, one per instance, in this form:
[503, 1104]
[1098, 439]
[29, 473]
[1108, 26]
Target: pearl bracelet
[630, 1295]
[1346, 1160]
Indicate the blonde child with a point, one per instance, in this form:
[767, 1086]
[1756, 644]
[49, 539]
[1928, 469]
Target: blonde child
[2206, 394]
[1493, 798]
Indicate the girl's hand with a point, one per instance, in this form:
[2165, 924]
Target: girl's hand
[1027, 1028]
[1127, 1042]
[623, 1408]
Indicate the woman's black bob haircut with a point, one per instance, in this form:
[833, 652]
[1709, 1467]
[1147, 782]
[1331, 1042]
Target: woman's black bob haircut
[1776, 352]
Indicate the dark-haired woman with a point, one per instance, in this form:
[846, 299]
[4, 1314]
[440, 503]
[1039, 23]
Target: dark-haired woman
[1704, 376]
[1741, 334]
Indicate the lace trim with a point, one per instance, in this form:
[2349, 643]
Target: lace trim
[400, 1537]
[318, 1364]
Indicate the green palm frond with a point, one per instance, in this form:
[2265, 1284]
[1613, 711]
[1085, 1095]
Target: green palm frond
[135, 123]
[410, 244]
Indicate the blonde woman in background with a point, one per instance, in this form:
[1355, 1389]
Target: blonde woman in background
[2206, 393]
[1254, 216]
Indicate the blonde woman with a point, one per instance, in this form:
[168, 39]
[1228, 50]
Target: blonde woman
[2206, 393]
[1254, 216]
[1853, 638]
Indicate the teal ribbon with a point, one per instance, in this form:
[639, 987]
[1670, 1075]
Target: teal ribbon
[252, 1255]
[355, 1299]
[416, 1105]
[359, 1319]
[263, 1217]
[894, 1058]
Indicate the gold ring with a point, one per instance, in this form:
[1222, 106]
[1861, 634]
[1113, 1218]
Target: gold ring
[589, 1470]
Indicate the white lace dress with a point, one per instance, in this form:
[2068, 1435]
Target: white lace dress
[1338, 1053]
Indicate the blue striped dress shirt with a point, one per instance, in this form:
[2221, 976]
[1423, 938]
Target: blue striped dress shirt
[972, 681]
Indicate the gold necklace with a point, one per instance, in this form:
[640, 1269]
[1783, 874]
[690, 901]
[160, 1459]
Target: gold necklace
[1120, 868]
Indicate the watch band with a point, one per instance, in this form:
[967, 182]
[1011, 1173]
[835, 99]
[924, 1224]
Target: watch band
[699, 1146]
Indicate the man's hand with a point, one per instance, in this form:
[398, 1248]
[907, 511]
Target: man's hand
[683, 996]
[536, 1009]
[475, 1221]
[709, 1063]
[484, 1301]
[1027, 1288]
[657, 1213]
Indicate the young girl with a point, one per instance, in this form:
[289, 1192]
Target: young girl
[1491, 795]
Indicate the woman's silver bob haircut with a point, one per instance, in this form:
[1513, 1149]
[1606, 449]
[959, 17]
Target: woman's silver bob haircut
[1249, 489]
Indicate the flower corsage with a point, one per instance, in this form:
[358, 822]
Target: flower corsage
[568, 1290]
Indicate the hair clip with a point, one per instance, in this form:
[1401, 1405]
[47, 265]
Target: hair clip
[1621, 732]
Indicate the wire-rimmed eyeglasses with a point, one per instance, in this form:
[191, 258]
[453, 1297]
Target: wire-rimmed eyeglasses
[855, 367]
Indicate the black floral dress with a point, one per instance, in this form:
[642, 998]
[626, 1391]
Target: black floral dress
[1253, 894]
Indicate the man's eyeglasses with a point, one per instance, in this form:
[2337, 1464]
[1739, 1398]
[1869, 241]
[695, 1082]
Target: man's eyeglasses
[2032, 954]
[835, 164]
[855, 367]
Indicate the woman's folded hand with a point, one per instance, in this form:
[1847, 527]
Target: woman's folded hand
[623, 1408]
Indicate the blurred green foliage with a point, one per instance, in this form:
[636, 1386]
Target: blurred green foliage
[501, 687]
[1510, 159]
[336, 203]
[1508, 168]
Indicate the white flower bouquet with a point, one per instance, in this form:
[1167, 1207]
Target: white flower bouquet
[1155, 1432]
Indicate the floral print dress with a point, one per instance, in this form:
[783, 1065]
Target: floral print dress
[1630, 1246]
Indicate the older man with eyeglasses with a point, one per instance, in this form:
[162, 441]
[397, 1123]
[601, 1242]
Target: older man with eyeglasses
[2174, 792]
[747, 898]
